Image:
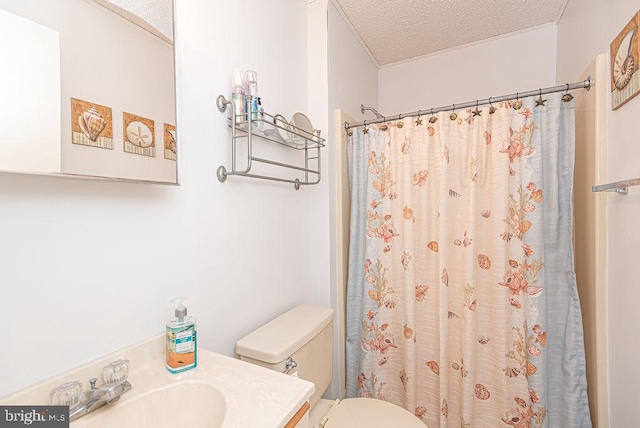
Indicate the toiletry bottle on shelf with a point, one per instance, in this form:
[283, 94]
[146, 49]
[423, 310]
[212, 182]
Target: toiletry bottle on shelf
[251, 84]
[181, 340]
[237, 94]
[260, 123]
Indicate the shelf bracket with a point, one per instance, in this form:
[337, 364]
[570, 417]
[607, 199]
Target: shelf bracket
[620, 187]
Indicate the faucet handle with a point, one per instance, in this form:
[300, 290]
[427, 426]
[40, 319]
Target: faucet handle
[116, 371]
[67, 394]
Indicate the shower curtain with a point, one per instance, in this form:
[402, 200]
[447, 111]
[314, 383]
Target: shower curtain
[462, 299]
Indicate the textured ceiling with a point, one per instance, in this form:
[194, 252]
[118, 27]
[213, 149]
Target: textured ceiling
[155, 16]
[397, 30]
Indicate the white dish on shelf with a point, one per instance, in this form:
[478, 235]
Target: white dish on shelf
[302, 122]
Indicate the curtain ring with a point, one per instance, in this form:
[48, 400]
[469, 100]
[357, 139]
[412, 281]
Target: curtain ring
[384, 126]
[518, 104]
[432, 119]
[453, 115]
[365, 130]
[419, 119]
[567, 97]
[540, 101]
[476, 112]
[400, 124]
[492, 109]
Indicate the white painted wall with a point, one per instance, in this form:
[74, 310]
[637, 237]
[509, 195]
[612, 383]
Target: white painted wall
[353, 80]
[88, 267]
[517, 62]
[585, 30]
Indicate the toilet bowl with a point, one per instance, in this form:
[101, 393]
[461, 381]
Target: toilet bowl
[300, 342]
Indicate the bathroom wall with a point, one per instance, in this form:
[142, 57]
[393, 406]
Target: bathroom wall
[353, 80]
[89, 267]
[517, 62]
[585, 30]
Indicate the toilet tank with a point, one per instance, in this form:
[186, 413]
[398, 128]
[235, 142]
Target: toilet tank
[305, 333]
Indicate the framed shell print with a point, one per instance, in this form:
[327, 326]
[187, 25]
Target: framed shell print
[170, 142]
[139, 135]
[91, 124]
[625, 61]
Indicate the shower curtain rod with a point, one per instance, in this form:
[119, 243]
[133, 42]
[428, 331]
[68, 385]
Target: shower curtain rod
[586, 84]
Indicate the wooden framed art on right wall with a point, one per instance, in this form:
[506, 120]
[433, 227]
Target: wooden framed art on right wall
[625, 61]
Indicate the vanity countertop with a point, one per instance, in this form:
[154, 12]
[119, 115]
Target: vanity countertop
[254, 396]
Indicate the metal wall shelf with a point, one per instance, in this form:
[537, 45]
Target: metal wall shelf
[275, 129]
[620, 187]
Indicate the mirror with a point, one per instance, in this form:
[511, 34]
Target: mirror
[88, 92]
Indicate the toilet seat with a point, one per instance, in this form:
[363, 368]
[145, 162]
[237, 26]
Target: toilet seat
[368, 413]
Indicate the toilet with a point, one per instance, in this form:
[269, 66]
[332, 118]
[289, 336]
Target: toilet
[300, 342]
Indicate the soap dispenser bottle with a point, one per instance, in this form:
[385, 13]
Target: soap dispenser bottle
[181, 340]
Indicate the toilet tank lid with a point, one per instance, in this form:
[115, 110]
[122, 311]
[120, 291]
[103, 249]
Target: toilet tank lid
[281, 337]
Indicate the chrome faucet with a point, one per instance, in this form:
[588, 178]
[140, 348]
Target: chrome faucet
[97, 397]
[82, 402]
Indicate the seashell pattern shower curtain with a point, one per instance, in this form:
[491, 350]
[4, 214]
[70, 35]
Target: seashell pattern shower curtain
[462, 299]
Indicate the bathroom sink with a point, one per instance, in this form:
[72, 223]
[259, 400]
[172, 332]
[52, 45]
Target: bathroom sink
[186, 404]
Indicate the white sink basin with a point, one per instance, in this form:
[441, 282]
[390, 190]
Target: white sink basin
[187, 404]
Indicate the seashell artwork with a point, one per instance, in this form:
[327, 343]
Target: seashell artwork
[484, 261]
[92, 124]
[446, 152]
[625, 59]
[433, 119]
[139, 135]
[445, 408]
[454, 194]
[400, 125]
[482, 393]
[486, 213]
[434, 366]
[483, 340]
[455, 366]
[452, 315]
[170, 142]
[517, 105]
[514, 303]
[383, 361]
[431, 131]
[433, 246]
[445, 277]
[457, 242]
